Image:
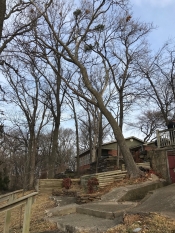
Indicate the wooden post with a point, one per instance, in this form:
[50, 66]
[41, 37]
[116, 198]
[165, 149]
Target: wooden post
[8, 215]
[158, 138]
[37, 185]
[27, 214]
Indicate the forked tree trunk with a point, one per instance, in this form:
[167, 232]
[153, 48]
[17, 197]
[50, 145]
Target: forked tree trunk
[133, 170]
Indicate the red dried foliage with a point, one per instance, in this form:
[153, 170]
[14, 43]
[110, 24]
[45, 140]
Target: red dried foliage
[92, 184]
[66, 183]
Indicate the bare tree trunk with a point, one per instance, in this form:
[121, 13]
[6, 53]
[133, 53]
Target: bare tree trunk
[100, 134]
[52, 158]
[121, 110]
[28, 166]
[77, 138]
[2, 15]
[90, 135]
[56, 115]
[32, 165]
[132, 169]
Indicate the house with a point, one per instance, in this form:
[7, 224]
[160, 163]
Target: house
[110, 151]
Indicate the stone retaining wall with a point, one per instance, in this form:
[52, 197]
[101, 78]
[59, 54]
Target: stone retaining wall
[159, 163]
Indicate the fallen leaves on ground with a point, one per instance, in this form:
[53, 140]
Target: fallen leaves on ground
[123, 182]
[148, 223]
[144, 223]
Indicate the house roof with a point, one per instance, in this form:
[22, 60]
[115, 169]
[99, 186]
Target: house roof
[132, 137]
[107, 145]
[128, 138]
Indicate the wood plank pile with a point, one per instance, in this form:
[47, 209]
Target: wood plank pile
[104, 178]
[107, 178]
[145, 165]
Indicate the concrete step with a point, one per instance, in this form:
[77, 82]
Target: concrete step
[63, 200]
[99, 216]
[81, 223]
[61, 210]
[107, 210]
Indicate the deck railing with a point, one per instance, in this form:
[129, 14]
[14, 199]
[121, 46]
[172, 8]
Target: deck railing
[165, 137]
[14, 202]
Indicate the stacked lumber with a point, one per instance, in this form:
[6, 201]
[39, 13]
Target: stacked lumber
[107, 178]
[104, 178]
[145, 165]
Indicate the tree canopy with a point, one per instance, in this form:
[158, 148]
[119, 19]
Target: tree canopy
[85, 60]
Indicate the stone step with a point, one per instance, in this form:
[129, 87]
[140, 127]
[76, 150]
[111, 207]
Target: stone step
[63, 200]
[99, 216]
[61, 210]
[107, 210]
[81, 223]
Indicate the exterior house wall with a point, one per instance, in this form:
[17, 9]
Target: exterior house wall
[159, 162]
[110, 146]
[84, 167]
[112, 152]
[133, 143]
[84, 162]
[150, 147]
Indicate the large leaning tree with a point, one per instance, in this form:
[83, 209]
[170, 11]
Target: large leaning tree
[80, 31]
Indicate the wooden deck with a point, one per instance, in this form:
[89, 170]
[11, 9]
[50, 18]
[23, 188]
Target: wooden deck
[165, 138]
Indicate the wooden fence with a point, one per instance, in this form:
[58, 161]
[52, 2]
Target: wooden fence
[13, 202]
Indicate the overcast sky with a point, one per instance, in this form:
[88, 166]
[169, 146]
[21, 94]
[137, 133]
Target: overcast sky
[162, 14]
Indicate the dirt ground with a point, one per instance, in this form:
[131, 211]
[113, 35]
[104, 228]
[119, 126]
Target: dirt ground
[150, 223]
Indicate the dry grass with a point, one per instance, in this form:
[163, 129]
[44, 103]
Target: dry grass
[37, 223]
